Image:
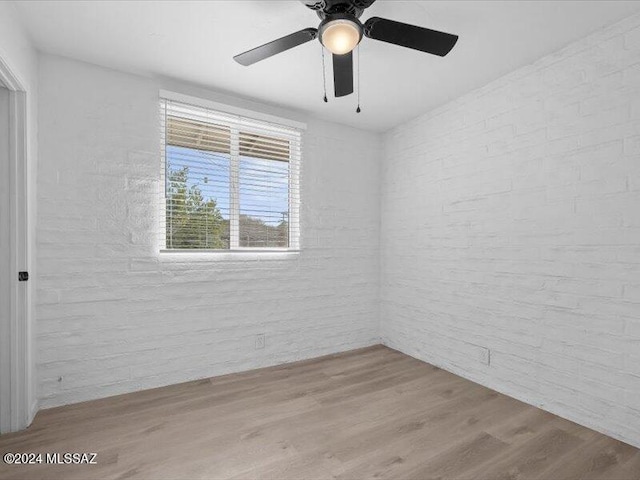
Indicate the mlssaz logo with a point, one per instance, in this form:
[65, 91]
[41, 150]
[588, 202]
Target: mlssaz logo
[72, 458]
[50, 458]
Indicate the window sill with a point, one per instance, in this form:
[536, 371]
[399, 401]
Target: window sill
[239, 254]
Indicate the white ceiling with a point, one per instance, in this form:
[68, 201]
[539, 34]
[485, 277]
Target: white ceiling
[196, 40]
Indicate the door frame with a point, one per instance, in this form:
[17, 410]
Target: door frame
[15, 348]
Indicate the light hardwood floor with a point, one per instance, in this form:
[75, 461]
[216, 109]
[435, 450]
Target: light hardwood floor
[370, 413]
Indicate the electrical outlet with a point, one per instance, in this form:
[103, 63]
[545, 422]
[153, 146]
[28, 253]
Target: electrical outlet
[484, 355]
[260, 341]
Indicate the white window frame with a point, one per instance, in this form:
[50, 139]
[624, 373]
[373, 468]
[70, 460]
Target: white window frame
[294, 181]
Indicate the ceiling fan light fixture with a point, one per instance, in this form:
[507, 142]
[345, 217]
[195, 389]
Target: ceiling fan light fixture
[340, 35]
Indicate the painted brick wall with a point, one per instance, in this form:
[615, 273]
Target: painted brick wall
[511, 220]
[112, 317]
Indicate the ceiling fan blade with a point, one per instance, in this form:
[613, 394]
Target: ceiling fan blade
[277, 46]
[343, 74]
[410, 36]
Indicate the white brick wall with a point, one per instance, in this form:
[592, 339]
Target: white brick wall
[114, 318]
[511, 220]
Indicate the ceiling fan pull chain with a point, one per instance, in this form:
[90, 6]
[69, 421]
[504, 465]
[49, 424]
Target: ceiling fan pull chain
[324, 76]
[358, 53]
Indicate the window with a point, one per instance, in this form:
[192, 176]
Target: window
[230, 182]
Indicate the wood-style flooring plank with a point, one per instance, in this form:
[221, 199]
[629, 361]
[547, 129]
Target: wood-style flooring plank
[368, 413]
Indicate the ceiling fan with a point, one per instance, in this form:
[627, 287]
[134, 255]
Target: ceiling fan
[340, 32]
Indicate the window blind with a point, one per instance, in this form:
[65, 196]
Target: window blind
[230, 182]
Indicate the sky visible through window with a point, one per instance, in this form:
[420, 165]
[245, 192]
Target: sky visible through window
[264, 184]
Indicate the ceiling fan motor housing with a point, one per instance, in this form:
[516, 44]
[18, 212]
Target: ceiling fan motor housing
[329, 7]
